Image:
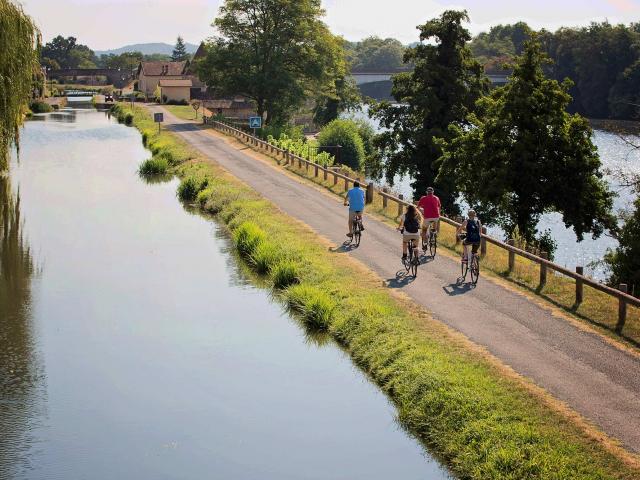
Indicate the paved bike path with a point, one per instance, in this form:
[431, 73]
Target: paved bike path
[591, 375]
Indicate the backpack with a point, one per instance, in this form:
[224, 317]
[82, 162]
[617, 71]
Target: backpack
[411, 225]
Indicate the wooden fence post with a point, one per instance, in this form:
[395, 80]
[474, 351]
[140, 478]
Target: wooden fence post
[622, 309]
[512, 255]
[346, 184]
[543, 269]
[315, 167]
[579, 286]
[369, 193]
[400, 209]
[299, 162]
[483, 242]
[324, 173]
[335, 177]
[385, 200]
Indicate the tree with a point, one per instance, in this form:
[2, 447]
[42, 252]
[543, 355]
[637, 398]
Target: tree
[524, 155]
[126, 61]
[344, 133]
[624, 261]
[441, 90]
[275, 52]
[377, 54]
[179, 53]
[19, 43]
[343, 97]
[68, 53]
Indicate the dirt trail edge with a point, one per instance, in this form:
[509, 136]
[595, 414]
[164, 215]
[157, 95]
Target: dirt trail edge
[591, 375]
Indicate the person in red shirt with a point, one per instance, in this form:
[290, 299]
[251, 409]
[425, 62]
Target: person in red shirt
[429, 205]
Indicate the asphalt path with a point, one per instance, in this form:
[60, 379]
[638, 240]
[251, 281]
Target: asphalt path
[577, 366]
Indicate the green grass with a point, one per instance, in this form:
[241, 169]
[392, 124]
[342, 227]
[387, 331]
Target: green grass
[481, 422]
[185, 112]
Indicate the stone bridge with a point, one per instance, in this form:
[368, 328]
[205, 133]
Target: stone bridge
[115, 77]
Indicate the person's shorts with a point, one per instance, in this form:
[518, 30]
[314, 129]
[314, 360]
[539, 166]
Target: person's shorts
[406, 236]
[353, 214]
[474, 245]
[428, 221]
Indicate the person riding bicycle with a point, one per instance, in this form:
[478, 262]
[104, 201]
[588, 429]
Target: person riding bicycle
[472, 234]
[410, 225]
[355, 199]
[429, 205]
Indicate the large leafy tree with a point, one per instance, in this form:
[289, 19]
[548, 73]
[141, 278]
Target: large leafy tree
[19, 43]
[68, 53]
[179, 53]
[441, 90]
[624, 261]
[126, 61]
[524, 155]
[276, 52]
[377, 54]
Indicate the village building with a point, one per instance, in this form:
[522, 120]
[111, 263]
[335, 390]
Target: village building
[150, 74]
[175, 90]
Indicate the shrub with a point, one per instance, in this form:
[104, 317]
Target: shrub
[128, 118]
[176, 102]
[190, 187]
[203, 196]
[265, 256]
[40, 107]
[247, 237]
[344, 133]
[285, 273]
[155, 165]
[314, 304]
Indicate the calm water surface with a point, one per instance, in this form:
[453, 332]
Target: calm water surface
[132, 346]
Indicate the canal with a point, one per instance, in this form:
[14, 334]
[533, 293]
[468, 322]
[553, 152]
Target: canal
[134, 345]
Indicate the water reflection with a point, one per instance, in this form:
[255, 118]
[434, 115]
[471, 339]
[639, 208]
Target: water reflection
[20, 372]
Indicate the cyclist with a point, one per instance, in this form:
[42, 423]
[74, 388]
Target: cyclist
[472, 230]
[411, 222]
[429, 205]
[355, 199]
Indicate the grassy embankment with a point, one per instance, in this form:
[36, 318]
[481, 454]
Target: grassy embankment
[597, 309]
[480, 420]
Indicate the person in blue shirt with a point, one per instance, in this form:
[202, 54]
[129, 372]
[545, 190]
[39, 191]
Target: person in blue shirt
[355, 199]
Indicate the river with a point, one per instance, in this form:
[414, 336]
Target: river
[134, 345]
[615, 154]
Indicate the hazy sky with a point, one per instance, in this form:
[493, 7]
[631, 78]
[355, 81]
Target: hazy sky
[105, 24]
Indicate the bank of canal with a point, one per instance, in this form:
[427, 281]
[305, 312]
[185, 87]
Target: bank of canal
[133, 346]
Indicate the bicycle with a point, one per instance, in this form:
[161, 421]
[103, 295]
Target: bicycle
[431, 242]
[357, 228]
[472, 265]
[412, 260]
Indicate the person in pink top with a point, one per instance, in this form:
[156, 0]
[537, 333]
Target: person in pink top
[429, 205]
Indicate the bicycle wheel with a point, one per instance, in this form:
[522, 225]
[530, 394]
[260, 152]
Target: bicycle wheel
[425, 244]
[433, 245]
[407, 261]
[357, 235]
[464, 268]
[415, 261]
[475, 269]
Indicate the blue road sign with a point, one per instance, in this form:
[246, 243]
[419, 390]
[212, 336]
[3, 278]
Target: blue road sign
[158, 117]
[255, 122]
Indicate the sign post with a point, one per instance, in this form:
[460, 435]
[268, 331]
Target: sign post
[255, 122]
[158, 118]
[196, 105]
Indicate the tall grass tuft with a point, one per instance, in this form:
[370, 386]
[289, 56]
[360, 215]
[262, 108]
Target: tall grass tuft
[315, 305]
[247, 238]
[190, 187]
[285, 273]
[265, 256]
[156, 165]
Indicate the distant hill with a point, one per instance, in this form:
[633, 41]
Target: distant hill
[147, 49]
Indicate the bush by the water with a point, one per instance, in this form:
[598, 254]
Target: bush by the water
[285, 273]
[155, 165]
[190, 187]
[345, 133]
[314, 304]
[247, 237]
[40, 107]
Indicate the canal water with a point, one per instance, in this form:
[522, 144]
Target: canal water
[616, 155]
[132, 344]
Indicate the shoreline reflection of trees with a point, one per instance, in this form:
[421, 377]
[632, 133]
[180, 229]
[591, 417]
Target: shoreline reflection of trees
[20, 373]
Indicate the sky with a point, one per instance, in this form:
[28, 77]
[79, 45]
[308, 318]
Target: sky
[106, 24]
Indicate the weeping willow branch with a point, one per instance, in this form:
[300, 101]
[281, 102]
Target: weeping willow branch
[19, 47]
